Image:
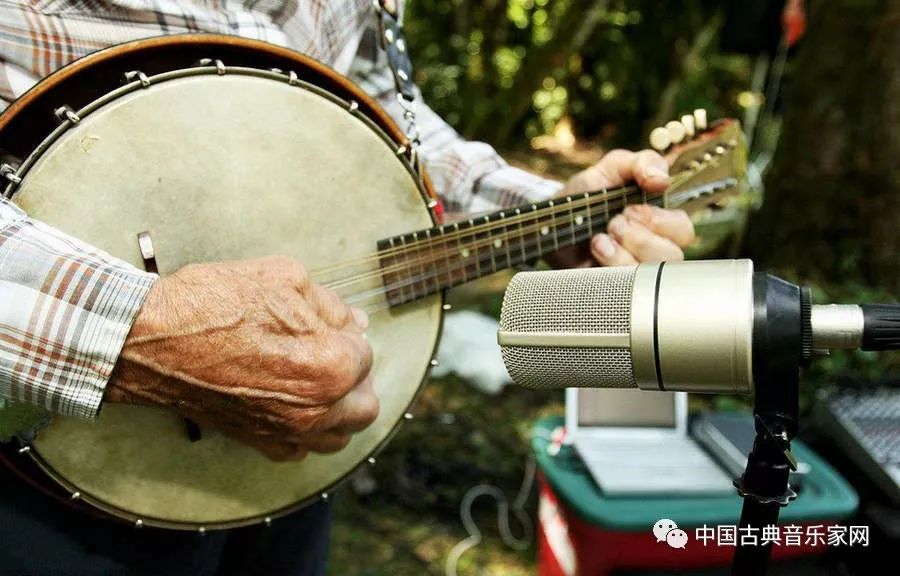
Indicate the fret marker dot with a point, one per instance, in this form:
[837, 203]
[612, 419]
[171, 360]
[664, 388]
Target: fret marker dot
[579, 220]
[465, 253]
[498, 243]
[544, 230]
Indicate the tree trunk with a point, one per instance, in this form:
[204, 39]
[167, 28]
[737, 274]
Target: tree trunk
[832, 204]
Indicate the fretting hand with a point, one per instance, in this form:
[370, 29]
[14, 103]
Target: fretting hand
[642, 233]
[255, 349]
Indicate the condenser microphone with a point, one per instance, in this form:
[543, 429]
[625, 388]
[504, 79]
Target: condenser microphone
[699, 326]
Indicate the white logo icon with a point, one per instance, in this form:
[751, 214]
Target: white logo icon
[676, 538]
[667, 531]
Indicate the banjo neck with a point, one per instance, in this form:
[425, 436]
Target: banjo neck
[705, 171]
[428, 261]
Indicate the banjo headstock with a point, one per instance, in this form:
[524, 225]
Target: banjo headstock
[707, 160]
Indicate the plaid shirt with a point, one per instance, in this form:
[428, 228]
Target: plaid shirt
[65, 307]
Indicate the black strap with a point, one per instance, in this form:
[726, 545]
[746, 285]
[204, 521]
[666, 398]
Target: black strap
[393, 41]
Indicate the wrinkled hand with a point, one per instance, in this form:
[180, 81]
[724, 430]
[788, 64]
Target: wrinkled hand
[256, 350]
[642, 233]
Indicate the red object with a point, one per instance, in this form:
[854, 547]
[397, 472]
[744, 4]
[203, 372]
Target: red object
[438, 211]
[793, 21]
[567, 546]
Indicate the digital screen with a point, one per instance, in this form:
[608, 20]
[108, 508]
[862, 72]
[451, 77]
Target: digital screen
[626, 407]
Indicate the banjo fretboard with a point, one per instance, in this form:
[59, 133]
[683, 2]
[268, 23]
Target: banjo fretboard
[424, 262]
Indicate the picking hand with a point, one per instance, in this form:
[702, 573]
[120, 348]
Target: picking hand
[642, 233]
[255, 349]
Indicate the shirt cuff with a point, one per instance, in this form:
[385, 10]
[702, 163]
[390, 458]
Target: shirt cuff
[65, 311]
[509, 187]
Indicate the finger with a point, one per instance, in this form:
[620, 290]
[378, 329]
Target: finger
[360, 317]
[643, 244]
[608, 252]
[367, 356]
[282, 451]
[650, 171]
[329, 306]
[675, 225]
[647, 168]
[350, 364]
[354, 412]
[325, 442]
[277, 450]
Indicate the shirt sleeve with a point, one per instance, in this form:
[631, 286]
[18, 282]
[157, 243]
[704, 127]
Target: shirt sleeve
[65, 310]
[469, 176]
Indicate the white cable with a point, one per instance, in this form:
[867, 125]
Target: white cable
[474, 534]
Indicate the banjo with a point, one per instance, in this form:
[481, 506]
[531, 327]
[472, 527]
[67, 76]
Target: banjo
[184, 149]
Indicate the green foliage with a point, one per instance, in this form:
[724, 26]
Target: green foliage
[507, 70]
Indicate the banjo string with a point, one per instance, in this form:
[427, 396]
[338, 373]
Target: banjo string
[447, 252]
[598, 196]
[435, 274]
[429, 271]
[511, 220]
[441, 248]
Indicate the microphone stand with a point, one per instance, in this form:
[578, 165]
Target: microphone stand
[782, 343]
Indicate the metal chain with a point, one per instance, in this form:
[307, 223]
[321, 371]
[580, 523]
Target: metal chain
[409, 115]
[393, 40]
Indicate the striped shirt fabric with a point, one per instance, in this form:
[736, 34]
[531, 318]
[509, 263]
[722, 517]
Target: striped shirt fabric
[66, 307]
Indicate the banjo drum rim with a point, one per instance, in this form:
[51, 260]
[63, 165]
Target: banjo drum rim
[49, 87]
[33, 469]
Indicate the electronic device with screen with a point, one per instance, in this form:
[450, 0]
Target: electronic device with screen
[866, 426]
[633, 442]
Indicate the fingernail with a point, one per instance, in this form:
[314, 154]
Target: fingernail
[617, 227]
[654, 172]
[604, 245]
[360, 317]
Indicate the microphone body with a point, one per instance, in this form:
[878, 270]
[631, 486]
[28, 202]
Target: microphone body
[700, 326]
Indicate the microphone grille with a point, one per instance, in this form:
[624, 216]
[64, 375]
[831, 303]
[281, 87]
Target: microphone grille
[578, 301]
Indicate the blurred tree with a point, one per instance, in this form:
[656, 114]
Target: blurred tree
[507, 70]
[832, 207]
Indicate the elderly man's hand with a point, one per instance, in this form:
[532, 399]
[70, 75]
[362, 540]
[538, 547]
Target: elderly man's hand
[641, 233]
[256, 349]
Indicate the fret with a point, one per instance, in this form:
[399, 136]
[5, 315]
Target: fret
[541, 229]
[460, 249]
[476, 249]
[403, 269]
[432, 265]
[521, 235]
[643, 196]
[506, 239]
[606, 204]
[572, 218]
[555, 229]
[472, 250]
[537, 230]
[417, 279]
[589, 211]
[492, 244]
[447, 261]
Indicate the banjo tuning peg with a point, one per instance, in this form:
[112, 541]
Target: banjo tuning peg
[660, 139]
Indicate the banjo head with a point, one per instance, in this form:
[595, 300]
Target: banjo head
[222, 167]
